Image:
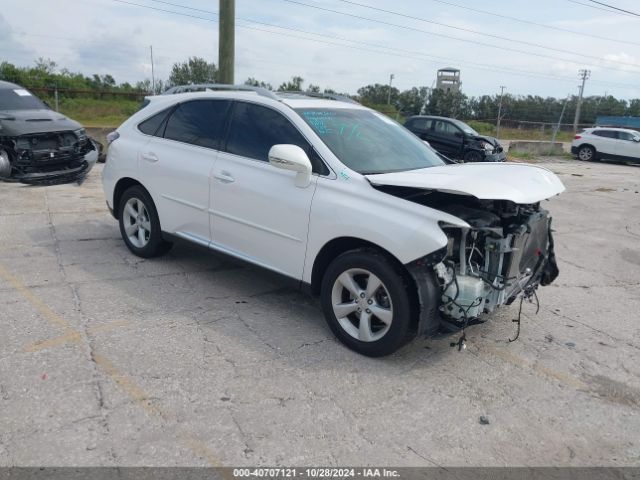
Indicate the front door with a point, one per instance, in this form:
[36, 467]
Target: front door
[628, 145]
[447, 138]
[257, 212]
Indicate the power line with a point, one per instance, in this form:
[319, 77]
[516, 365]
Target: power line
[479, 66]
[411, 54]
[474, 42]
[469, 30]
[537, 24]
[615, 8]
[595, 7]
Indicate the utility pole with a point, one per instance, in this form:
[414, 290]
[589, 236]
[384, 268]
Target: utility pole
[153, 75]
[391, 77]
[558, 125]
[227, 41]
[584, 74]
[502, 87]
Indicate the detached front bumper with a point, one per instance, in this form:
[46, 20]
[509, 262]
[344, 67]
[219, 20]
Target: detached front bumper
[495, 157]
[62, 175]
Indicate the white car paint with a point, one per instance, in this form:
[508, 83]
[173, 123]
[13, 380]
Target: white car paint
[626, 146]
[254, 211]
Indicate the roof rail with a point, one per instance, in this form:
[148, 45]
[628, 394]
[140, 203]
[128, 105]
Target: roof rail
[200, 87]
[330, 96]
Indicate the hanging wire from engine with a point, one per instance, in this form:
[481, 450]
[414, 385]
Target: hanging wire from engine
[528, 294]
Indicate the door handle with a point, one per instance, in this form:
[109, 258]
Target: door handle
[224, 177]
[149, 157]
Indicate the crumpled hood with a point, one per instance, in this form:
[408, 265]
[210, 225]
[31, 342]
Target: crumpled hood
[26, 122]
[482, 138]
[515, 182]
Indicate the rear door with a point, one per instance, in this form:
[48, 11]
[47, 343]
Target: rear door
[421, 127]
[257, 212]
[447, 138]
[176, 165]
[606, 141]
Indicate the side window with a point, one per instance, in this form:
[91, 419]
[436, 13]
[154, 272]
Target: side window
[625, 136]
[445, 128]
[151, 126]
[198, 122]
[420, 124]
[606, 133]
[255, 129]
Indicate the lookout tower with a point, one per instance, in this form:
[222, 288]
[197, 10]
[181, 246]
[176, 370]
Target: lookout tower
[448, 80]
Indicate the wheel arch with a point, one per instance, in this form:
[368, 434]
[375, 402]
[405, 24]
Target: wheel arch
[121, 186]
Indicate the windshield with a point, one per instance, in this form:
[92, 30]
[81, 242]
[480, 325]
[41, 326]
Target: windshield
[19, 99]
[369, 142]
[465, 128]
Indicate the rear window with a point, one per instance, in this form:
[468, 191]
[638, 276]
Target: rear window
[19, 99]
[198, 122]
[151, 125]
[605, 133]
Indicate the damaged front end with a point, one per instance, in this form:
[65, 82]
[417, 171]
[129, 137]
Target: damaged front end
[47, 158]
[507, 251]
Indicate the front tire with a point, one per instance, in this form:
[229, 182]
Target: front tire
[140, 225]
[366, 302]
[586, 153]
[473, 157]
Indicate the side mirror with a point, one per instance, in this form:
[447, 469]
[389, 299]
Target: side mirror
[636, 139]
[293, 158]
[458, 134]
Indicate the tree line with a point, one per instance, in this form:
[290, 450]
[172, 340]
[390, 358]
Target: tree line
[390, 100]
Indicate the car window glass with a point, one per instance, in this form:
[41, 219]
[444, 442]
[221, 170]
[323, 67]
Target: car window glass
[255, 129]
[625, 136]
[151, 126]
[445, 128]
[421, 124]
[605, 133]
[199, 122]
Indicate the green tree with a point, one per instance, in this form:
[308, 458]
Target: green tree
[378, 94]
[194, 70]
[258, 83]
[294, 85]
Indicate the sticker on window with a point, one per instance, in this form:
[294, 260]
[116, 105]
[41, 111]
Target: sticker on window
[22, 92]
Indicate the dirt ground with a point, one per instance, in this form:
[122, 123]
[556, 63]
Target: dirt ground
[190, 359]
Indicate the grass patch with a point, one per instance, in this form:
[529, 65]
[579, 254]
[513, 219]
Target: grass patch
[521, 155]
[92, 112]
[506, 133]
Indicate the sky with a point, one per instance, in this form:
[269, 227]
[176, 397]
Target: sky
[277, 39]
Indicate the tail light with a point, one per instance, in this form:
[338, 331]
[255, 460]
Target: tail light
[577, 137]
[111, 137]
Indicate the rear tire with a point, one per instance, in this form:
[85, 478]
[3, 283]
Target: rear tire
[586, 153]
[366, 302]
[140, 224]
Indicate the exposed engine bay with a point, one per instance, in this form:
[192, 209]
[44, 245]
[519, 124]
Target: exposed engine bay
[506, 252]
[46, 158]
[39, 146]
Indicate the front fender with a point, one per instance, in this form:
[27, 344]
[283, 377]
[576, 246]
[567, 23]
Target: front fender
[355, 209]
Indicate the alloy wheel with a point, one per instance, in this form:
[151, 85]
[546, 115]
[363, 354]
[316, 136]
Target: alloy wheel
[137, 224]
[362, 305]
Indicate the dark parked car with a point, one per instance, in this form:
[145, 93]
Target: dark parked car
[38, 145]
[456, 139]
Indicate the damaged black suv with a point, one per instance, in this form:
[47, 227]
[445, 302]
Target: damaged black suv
[38, 145]
[456, 139]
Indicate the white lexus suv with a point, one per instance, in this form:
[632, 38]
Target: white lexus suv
[338, 198]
